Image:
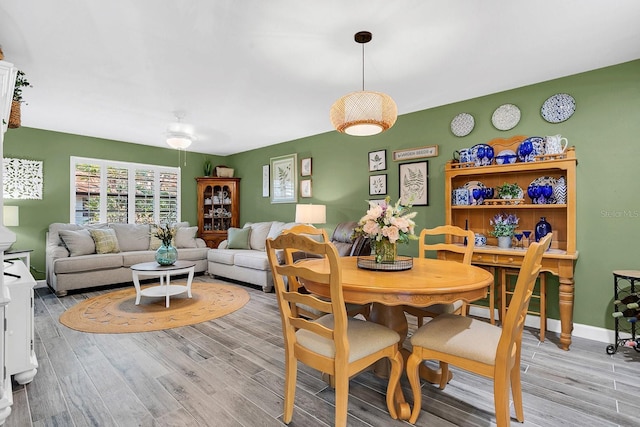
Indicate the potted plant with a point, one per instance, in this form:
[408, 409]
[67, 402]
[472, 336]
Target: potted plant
[14, 116]
[208, 167]
[509, 191]
[503, 227]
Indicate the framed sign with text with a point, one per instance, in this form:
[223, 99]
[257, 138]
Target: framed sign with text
[415, 153]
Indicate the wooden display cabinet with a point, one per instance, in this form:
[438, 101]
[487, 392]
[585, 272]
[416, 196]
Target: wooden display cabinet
[218, 208]
[559, 260]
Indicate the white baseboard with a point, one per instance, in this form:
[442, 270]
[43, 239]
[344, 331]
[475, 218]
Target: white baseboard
[40, 284]
[553, 325]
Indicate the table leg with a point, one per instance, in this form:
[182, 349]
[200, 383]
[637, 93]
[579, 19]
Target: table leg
[394, 318]
[136, 284]
[167, 283]
[189, 280]
[566, 294]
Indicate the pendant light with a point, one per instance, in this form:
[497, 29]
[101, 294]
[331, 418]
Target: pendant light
[363, 113]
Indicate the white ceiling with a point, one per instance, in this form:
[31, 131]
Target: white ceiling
[252, 73]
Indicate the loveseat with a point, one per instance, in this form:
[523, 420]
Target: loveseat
[242, 257]
[79, 257]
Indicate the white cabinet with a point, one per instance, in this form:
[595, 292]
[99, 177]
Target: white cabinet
[21, 359]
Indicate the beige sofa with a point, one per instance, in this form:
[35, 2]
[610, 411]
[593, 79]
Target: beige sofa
[249, 264]
[72, 261]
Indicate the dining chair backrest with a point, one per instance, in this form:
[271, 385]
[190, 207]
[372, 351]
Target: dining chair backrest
[290, 297]
[447, 230]
[513, 325]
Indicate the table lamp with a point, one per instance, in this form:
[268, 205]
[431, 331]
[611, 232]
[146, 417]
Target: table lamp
[311, 214]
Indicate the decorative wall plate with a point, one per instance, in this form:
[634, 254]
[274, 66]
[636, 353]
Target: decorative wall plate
[506, 117]
[558, 108]
[462, 124]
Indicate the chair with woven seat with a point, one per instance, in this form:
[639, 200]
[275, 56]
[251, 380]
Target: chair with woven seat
[480, 347]
[334, 344]
[424, 247]
[321, 235]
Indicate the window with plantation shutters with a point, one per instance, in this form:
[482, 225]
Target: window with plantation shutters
[108, 191]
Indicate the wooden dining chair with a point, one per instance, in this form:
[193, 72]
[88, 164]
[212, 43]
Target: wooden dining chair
[480, 347]
[321, 235]
[424, 247]
[334, 344]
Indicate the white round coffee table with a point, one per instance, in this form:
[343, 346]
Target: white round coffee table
[165, 289]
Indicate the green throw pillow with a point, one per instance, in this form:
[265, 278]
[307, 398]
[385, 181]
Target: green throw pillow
[238, 238]
[106, 240]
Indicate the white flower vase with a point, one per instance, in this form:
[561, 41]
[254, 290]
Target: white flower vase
[504, 242]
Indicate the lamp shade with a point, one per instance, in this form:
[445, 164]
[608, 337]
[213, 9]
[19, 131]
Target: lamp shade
[364, 113]
[311, 214]
[11, 216]
[179, 135]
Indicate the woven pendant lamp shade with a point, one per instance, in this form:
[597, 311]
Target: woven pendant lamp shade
[364, 113]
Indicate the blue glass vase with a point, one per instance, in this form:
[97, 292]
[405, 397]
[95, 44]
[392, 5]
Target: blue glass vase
[166, 255]
[542, 228]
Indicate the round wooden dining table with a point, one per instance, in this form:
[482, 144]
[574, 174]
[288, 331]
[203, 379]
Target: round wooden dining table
[429, 281]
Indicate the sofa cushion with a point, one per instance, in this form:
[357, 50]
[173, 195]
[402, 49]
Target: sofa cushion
[239, 238]
[136, 257]
[256, 260]
[277, 227]
[78, 242]
[81, 264]
[185, 237]
[259, 232]
[222, 256]
[132, 237]
[106, 240]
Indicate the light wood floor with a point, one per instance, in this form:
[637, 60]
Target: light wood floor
[229, 372]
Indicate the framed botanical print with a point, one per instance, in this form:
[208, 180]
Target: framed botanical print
[305, 188]
[377, 160]
[414, 180]
[378, 184]
[284, 179]
[265, 180]
[305, 167]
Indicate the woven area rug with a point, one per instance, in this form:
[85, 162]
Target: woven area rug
[116, 312]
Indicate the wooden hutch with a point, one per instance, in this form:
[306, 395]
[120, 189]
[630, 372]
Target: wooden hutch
[218, 208]
[559, 260]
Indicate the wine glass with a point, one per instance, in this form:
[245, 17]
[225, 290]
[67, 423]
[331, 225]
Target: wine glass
[527, 233]
[518, 237]
[488, 154]
[480, 155]
[488, 193]
[477, 194]
[534, 192]
[525, 149]
[547, 192]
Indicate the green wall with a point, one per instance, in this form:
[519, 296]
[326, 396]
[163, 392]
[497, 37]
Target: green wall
[55, 150]
[603, 130]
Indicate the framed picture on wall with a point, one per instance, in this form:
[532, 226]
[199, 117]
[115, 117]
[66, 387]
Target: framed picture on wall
[284, 179]
[377, 160]
[414, 183]
[305, 167]
[265, 181]
[378, 184]
[305, 188]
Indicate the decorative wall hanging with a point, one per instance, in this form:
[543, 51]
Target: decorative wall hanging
[378, 184]
[506, 117]
[305, 188]
[265, 180]
[414, 183]
[284, 179]
[462, 124]
[558, 108]
[415, 153]
[305, 167]
[377, 160]
[22, 179]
